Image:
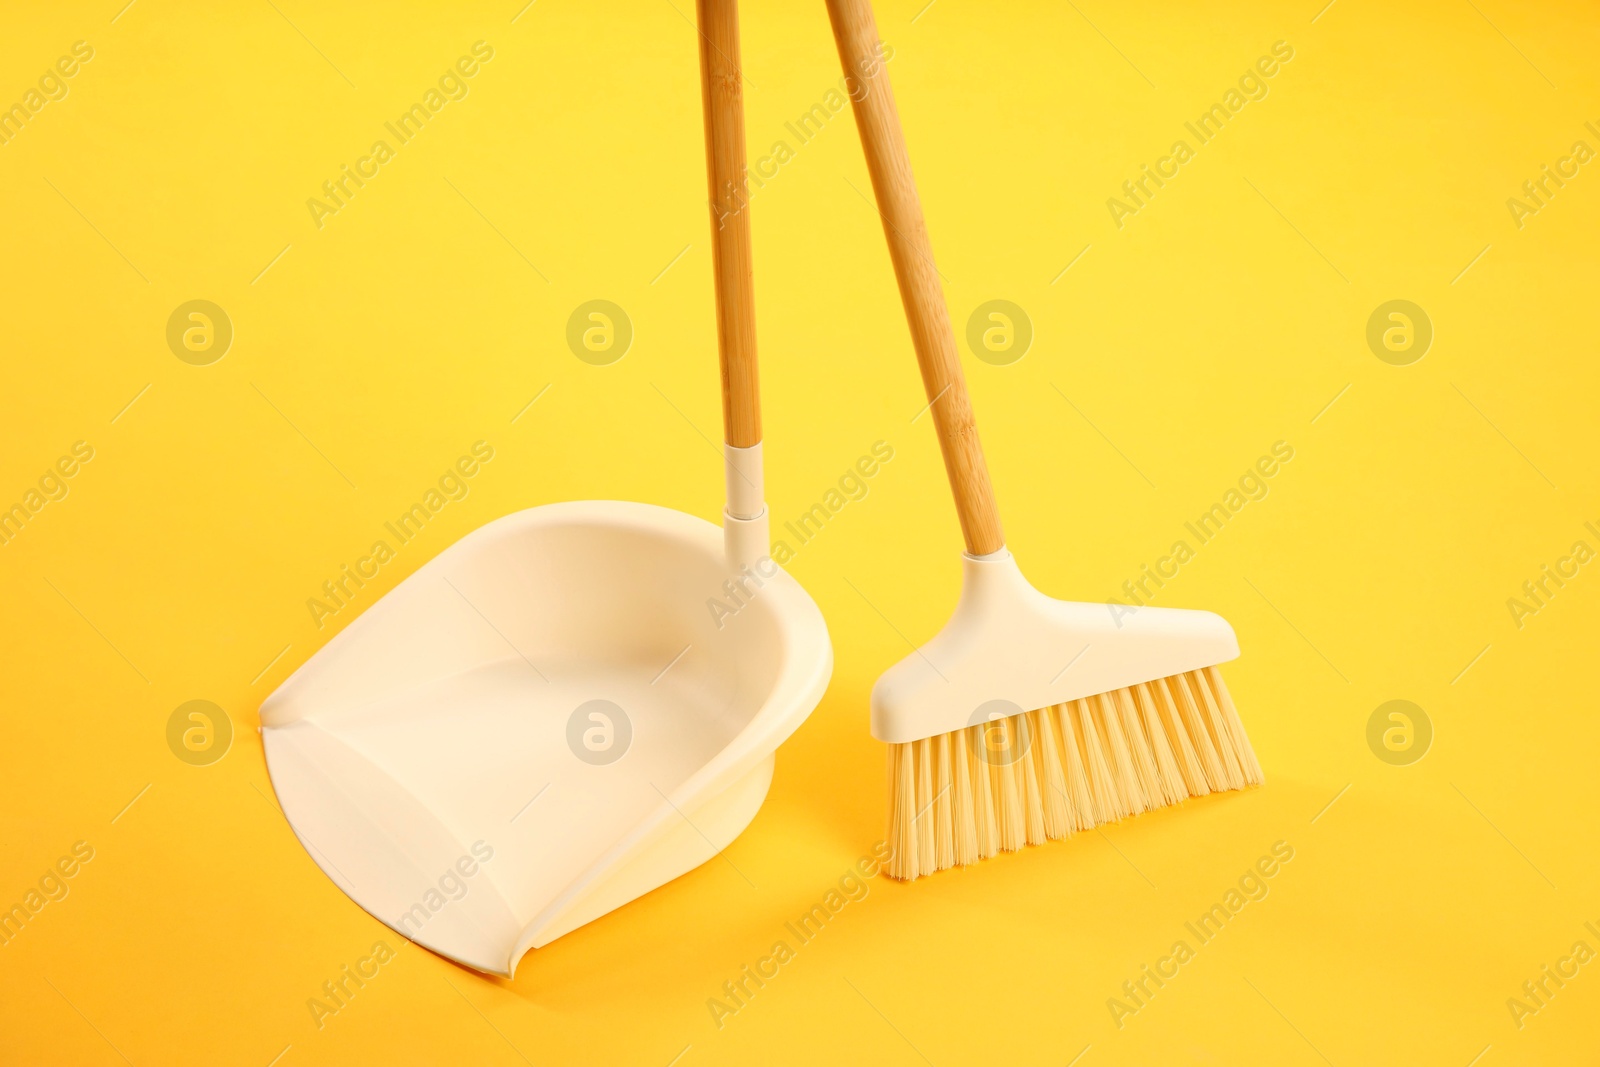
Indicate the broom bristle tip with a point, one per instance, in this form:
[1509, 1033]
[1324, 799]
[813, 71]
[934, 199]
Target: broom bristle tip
[1039, 775]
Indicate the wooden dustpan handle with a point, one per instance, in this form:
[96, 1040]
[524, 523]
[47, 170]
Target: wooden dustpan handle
[722, 96]
[856, 33]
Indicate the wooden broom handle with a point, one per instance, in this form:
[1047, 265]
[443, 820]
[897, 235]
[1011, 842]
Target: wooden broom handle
[722, 97]
[856, 33]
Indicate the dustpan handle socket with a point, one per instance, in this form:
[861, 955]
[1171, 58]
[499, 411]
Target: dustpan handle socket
[878, 121]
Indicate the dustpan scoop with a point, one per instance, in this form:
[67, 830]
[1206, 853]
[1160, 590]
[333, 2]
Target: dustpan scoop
[573, 704]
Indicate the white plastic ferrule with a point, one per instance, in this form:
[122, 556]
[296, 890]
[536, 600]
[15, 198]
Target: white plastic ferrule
[744, 521]
[743, 465]
[744, 541]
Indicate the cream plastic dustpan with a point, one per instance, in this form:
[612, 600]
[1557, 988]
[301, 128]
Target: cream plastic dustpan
[575, 703]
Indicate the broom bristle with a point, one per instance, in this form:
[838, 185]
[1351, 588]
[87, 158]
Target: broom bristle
[964, 796]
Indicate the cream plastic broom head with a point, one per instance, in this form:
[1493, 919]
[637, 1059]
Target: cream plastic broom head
[1010, 646]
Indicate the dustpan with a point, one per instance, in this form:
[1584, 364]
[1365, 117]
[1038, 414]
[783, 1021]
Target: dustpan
[573, 704]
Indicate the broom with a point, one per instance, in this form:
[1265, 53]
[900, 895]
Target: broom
[1025, 718]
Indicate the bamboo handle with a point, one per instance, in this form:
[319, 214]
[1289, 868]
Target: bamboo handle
[876, 117]
[722, 97]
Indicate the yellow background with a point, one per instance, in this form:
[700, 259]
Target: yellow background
[1223, 317]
